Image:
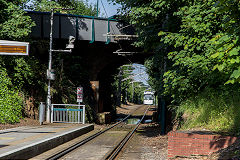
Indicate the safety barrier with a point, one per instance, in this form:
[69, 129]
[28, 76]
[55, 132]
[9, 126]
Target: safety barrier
[68, 115]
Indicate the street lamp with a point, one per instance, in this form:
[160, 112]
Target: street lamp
[50, 74]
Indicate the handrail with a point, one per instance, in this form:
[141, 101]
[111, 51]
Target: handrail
[69, 109]
[68, 105]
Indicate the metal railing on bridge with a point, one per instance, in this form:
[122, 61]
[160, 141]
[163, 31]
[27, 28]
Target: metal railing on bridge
[73, 114]
[81, 27]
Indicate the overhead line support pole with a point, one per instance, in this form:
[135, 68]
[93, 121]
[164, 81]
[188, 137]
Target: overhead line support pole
[119, 86]
[48, 112]
[49, 68]
[97, 7]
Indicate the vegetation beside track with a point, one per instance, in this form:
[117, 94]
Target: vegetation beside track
[195, 67]
[211, 110]
[23, 79]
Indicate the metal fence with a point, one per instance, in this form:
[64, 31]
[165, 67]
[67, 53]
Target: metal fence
[68, 115]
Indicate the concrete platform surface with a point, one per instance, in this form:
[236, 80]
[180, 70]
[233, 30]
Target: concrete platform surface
[27, 142]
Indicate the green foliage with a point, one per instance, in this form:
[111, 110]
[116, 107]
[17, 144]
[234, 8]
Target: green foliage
[149, 18]
[138, 93]
[80, 7]
[191, 69]
[68, 78]
[13, 23]
[27, 74]
[224, 46]
[21, 77]
[10, 102]
[196, 46]
[43, 5]
[63, 89]
[191, 51]
[131, 90]
[155, 71]
[183, 32]
[212, 109]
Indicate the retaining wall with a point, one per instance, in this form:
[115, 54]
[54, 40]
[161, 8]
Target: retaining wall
[196, 143]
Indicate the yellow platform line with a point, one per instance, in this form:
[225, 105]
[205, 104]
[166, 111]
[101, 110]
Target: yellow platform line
[7, 138]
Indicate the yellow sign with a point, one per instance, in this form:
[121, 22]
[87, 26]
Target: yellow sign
[13, 48]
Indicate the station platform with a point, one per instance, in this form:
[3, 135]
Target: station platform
[29, 141]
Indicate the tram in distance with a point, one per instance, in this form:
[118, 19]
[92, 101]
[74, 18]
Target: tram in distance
[148, 98]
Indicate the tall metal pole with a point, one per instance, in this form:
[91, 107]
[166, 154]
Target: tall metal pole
[50, 75]
[49, 70]
[97, 7]
[163, 104]
[132, 92]
[119, 86]
[126, 95]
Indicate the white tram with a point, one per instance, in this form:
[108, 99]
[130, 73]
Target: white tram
[148, 98]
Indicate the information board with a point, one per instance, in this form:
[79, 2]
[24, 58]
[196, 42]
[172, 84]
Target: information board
[14, 48]
[79, 94]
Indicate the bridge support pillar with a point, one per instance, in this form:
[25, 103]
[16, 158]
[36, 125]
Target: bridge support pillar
[95, 88]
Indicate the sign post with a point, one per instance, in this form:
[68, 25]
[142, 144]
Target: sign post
[79, 100]
[79, 94]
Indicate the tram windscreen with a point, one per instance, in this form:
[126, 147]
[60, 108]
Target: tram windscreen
[148, 97]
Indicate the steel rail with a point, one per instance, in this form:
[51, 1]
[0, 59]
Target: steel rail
[119, 147]
[59, 155]
[62, 153]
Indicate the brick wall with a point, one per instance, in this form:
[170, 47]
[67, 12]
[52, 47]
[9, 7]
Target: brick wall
[196, 143]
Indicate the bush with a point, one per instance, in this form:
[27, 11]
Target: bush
[10, 101]
[215, 110]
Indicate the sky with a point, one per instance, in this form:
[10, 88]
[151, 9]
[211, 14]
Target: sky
[110, 8]
[140, 73]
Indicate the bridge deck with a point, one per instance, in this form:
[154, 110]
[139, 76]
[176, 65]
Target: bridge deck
[81, 27]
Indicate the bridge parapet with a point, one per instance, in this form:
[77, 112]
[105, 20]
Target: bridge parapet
[81, 27]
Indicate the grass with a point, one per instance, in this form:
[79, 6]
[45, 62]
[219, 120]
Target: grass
[212, 110]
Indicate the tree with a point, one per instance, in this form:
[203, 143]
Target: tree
[14, 25]
[131, 90]
[224, 46]
[79, 6]
[184, 35]
[191, 69]
[196, 60]
[149, 18]
[25, 76]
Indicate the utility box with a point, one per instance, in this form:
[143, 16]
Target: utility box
[41, 113]
[51, 74]
[104, 118]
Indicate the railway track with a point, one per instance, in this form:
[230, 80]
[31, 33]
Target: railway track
[91, 147]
